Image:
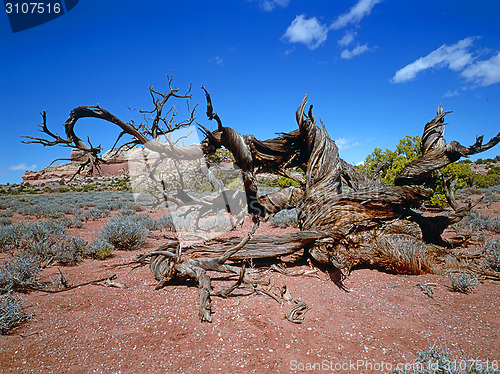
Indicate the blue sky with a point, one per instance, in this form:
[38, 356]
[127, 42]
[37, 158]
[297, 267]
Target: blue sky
[375, 70]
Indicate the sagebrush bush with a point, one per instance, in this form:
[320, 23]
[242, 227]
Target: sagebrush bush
[124, 233]
[166, 222]
[11, 312]
[4, 221]
[12, 236]
[127, 212]
[476, 222]
[19, 273]
[492, 250]
[437, 360]
[464, 282]
[50, 231]
[145, 220]
[216, 223]
[69, 251]
[284, 218]
[6, 213]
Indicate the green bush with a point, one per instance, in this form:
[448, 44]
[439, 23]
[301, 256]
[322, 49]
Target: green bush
[407, 150]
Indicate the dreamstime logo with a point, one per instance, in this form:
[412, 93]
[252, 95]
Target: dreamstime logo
[24, 14]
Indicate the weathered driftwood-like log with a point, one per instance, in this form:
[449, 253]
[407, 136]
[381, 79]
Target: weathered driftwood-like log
[371, 224]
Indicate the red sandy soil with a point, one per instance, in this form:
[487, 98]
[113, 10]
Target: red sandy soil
[382, 321]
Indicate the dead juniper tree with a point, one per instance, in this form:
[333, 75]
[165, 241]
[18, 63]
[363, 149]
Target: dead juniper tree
[371, 224]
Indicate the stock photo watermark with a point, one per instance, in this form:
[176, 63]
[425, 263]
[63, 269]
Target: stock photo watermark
[24, 15]
[372, 366]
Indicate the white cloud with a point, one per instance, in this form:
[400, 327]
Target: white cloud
[456, 57]
[347, 38]
[344, 143]
[308, 31]
[355, 14]
[359, 49]
[217, 60]
[23, 166]
[270, 5]
[451, 93]
[483, 73]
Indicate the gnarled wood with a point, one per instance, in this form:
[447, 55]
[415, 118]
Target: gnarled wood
[371, 224]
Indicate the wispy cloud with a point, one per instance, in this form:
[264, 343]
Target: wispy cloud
[455, 57]
[451, 93]
[483, 73]
[270, 5]
[308, 31]
[313, 33]
[23, 166]
[348, 38]
[355, 14]
[217, 60]
[345, 143]
[356, 51]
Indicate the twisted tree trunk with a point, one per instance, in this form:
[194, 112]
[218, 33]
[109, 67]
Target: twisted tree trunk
[371, 224]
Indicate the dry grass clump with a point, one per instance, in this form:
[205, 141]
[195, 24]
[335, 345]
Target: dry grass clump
[402, 254]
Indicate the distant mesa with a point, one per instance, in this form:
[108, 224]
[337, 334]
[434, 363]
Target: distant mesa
[116, 165]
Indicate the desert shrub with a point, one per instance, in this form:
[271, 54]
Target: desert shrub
[92, 214]
[218, 222]
[464, 282]
[99, 249]
[6, 213]
[11, 236]
[437, 360]
[284, 218]
[4, 221]
[492, 250]
[146, 221]
[77, 224]
[11, 312]
[472, 191]
[68, 222]
[69, 251]
[490, 198]
[115, 205]
[127, 212]
[65, 221]
[42, 231]
[166, 222]
[476, 222]
[124, 233]
[18, 273]
[495, 188]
